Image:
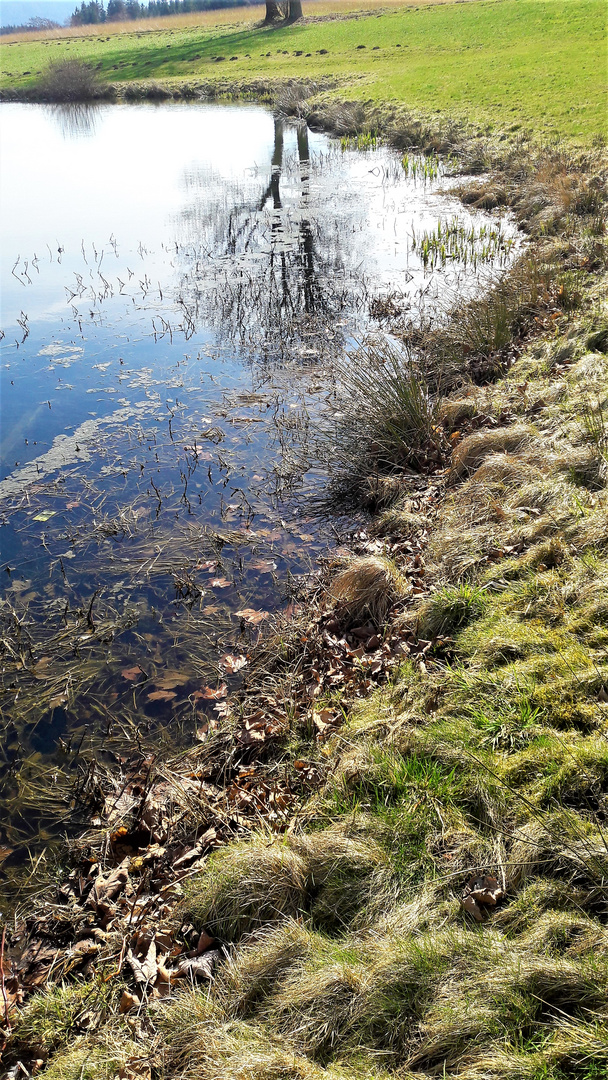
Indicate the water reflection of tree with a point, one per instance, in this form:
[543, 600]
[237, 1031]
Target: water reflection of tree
[268, 271]
[76, 119]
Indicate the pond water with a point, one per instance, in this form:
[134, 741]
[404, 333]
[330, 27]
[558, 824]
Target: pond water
[176, 282]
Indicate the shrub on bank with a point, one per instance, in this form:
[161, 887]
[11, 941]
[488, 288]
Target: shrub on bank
[69, 80]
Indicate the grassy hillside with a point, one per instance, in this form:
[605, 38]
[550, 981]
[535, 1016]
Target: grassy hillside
[510, 64]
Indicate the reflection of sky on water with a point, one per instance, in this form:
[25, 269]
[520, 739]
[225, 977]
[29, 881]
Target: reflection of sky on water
[134, 230]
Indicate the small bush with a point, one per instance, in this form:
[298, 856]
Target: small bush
[68, 80]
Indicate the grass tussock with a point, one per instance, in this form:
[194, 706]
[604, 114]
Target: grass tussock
[367, 588]
[60, 1014]
[385, 421]
[329, 877]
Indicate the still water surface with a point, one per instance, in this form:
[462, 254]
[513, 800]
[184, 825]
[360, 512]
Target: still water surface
[176, 281]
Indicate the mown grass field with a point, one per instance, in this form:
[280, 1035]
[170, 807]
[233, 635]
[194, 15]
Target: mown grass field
[537, 64]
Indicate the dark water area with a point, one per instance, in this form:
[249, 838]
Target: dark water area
[177, 281]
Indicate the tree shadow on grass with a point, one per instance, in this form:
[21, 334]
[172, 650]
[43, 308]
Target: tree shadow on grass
[171, 59]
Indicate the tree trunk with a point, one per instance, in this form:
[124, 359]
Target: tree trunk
[272, 11]
[295, 10]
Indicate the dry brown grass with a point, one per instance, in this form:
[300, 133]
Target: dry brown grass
[367, 588]
[472, 451]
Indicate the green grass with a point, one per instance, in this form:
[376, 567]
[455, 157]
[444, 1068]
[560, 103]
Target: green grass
[512, 64]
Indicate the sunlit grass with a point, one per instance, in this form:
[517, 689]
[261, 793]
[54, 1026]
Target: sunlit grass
[243, 16]
[537, 64]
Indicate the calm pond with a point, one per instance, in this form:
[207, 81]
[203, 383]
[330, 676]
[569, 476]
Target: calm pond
[177, 280]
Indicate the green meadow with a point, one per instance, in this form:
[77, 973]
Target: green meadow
[537, 64]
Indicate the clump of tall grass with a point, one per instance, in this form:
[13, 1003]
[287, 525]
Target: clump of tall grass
[68, 80]
[366, 589]
[477, 336]
[450, 608]
[60, 1013]
[385, 420]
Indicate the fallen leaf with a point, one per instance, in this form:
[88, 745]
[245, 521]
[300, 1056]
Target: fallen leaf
[161, 695]
[485, 890]
[252, 616]
[473, 908]
[210, 693]
[265, 566]
[171, 679]
[232, 662]
[220, 583]
[40, 668]
[128, 1001]
[132, 673]
[59, 699]
[144, 971]
[204, 942]
[200, 967]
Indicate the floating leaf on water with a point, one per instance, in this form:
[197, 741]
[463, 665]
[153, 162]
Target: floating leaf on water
[59, 699]
[161, 695]
[233, 662]
[171, 679]
[252, 616]
[44, 515]
[132, 673]
[220, 583]
[210, 693]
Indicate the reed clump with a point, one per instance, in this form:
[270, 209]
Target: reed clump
[385, 421]
[69, 80]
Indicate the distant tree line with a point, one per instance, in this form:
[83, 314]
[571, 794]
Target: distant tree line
[35, 23]
[94, 11]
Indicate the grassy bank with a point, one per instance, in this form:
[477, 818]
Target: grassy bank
[535, 63]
